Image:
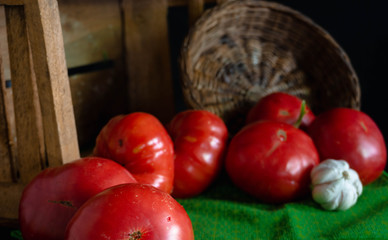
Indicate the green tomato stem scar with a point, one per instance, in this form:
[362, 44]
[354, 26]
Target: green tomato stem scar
[301, 114]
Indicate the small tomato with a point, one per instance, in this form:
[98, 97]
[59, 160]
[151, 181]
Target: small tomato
[199, 141]
[280, 107]
[141, 144]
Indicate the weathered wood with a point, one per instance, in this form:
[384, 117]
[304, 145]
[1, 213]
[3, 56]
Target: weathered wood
[5, 156]
[46, 40]
[148, 60]
[29, 156]
[97, 97]
[195, 10]
[92, 31]
[88, 39]
[10, 193]
[12, 2]
[7, 92]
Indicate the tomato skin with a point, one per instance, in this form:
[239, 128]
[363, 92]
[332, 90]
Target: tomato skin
[141, 144]
[281, 107]
[50, 200]
[351, 135]
[200, 141]
[130, 210]
[272, 161]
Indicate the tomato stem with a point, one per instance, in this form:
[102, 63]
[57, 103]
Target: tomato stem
[301, 114]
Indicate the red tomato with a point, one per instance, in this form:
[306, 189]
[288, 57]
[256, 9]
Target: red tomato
[351, 135]
[130, 211]
[272, 161]
[50, 200]
[199, 141]
[280, 107]
[140, 143]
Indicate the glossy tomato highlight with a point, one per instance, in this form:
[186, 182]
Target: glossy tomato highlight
[141, 144]
[272, 161]
[199, 142]
[131, 211]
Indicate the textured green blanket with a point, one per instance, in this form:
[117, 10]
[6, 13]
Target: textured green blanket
[224, 212]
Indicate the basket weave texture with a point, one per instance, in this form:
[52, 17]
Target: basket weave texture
[240, 51]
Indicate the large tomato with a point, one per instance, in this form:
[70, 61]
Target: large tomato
[130, 211]
[272, 161]
[199, 141]
[50, 200]
[351, 135]
[140, 143]
[281, 107]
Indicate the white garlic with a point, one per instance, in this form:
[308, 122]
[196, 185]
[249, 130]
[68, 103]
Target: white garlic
[335, 185]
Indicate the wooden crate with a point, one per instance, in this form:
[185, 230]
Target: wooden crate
[117, 57]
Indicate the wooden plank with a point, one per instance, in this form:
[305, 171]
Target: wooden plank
[45, 35]
[29, 156]
[97, 97]
[4, 44]
[6, 109]
[148, 59]
[12, 2]
[7, 92]
[5, 156]
[10, 195]
[92, 30]
[195, 10]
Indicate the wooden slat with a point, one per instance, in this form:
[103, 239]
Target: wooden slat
[29, 156]
[10, 195]
[148, 60]
[97, 97]
[12, 2]
[196, 8]
[5, 156]
[88, 38]
[4, 44]
[45, 35]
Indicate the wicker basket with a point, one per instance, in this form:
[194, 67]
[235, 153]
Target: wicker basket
[240, 51]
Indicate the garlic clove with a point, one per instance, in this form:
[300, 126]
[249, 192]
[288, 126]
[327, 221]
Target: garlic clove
[335, 185]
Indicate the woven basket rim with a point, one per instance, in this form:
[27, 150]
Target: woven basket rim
[273, 6]
[194, 34]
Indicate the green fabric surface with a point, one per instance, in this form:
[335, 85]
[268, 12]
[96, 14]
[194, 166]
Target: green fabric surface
[225, 212]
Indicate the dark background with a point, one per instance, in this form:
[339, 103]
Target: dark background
[359, 27]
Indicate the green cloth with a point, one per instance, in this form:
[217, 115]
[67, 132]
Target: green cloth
[225, 212]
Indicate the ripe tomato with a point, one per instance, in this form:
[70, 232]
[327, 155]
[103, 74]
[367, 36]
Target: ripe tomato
[199, 141]
[272, 161]
[50, 200]
[351, 135]
[130, 211]
[140, 143]
[280, 107]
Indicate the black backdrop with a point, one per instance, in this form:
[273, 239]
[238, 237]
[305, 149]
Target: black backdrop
[359, 27]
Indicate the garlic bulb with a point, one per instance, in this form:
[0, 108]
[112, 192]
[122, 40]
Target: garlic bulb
[335, 185]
